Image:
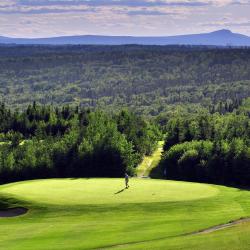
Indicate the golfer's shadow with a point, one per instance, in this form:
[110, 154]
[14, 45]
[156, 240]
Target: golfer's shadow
[120, 191]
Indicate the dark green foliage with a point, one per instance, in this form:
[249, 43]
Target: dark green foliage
[197, 93]
[209, 147]
[143, 134]
[148, 79]
[223, 162]
[44, 142]
[204, 126]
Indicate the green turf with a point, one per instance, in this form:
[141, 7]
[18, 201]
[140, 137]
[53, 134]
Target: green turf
[150, 162]
[106, 191]
[98, 213]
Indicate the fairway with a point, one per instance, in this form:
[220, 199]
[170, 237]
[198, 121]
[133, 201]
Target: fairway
[150, 162]
[101, 214]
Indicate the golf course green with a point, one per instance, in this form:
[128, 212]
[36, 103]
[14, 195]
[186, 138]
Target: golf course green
[101, 214]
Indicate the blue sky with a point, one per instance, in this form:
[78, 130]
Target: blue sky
[46, 18]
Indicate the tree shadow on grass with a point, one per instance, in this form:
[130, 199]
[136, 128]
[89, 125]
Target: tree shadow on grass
[10, 201]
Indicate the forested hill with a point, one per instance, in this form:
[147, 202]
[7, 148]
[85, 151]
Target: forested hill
[148, 79]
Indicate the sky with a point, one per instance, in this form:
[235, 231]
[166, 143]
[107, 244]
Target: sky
[49, 18]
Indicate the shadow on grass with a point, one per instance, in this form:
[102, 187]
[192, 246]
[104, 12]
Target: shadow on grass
[7, 202]
[120, 191]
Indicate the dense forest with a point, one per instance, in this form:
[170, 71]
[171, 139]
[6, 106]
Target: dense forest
[207, 147]
[148, 79]
[82, 111]
[43, 142]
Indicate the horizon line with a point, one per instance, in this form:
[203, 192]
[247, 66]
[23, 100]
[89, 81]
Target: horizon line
[106, 35]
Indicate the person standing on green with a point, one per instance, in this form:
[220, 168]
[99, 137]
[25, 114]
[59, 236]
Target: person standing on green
[126, 180]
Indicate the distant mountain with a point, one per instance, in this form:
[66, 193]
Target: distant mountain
[217, 38]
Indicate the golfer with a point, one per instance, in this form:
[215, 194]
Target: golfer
[126, 180]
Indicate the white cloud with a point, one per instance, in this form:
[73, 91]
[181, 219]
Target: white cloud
[39, 18]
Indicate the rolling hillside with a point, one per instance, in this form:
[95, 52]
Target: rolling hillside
[148, 79]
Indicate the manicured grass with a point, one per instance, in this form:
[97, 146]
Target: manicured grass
[150, 162]
[98, 213]
[106, 191]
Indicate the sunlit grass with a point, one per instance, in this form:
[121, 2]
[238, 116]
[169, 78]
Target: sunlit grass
[150, 162]
[98, 213]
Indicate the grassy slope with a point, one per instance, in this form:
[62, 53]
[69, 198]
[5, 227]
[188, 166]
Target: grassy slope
[152, 214]
[150, 162]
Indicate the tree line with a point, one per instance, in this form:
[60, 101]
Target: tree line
[207, 147]
[44, 142]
